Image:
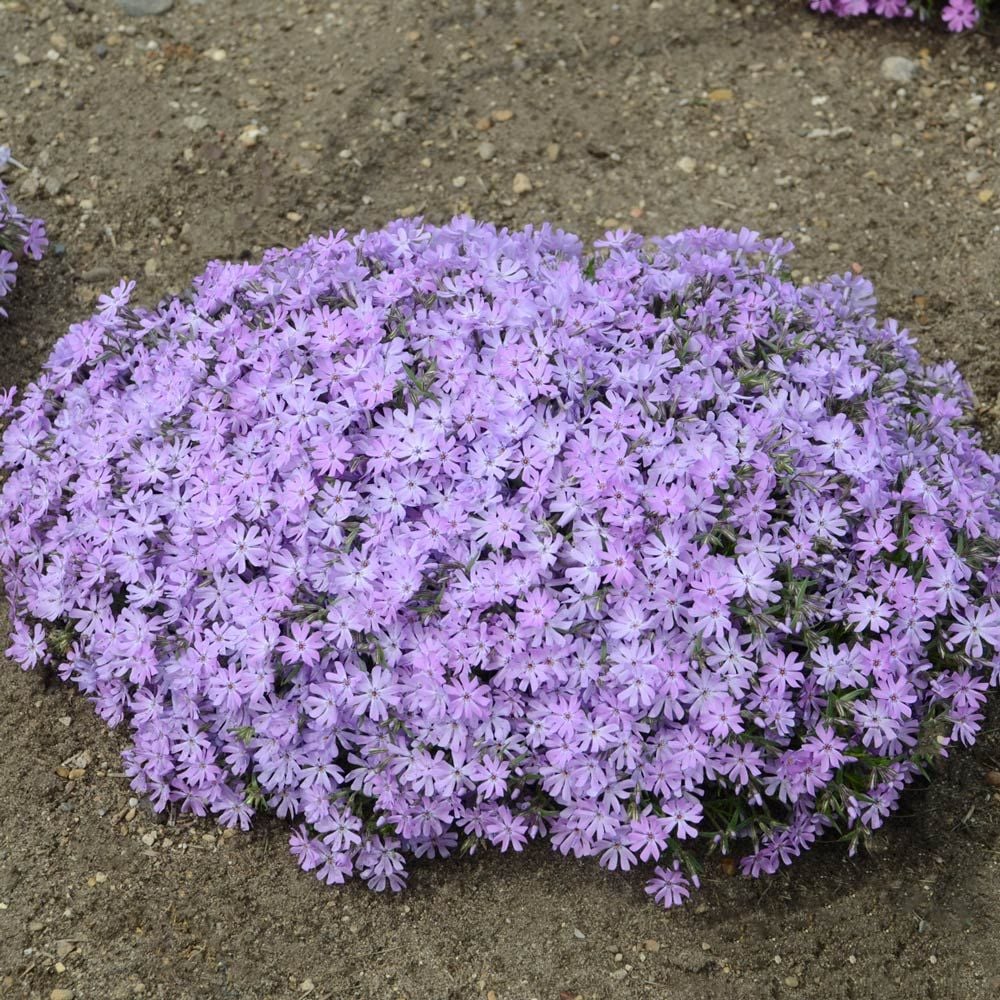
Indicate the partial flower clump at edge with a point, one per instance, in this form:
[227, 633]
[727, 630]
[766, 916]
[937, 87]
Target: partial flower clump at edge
[433, 538]
[956, 15]
[20, 236]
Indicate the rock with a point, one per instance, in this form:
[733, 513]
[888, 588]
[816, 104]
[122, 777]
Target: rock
[83, 758]
[195, 122]
[899, 69]
[250, 134]
[690, 961]
[96, 274]
[844, 132]
[791, 982]
[399, 119]
[486, 151]
[651, 944]
[687, 165]
[578, 934]
[552, 152]
[63, 948]
[992, 778]
[720, 94]
[503, 115]
[522, 184]
[458, 182]
[216, 55]
[985, 196]
[59, 994]
[140, 8]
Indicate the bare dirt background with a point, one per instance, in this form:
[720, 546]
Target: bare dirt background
[223, 127]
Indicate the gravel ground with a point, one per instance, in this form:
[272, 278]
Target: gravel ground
[219, 128]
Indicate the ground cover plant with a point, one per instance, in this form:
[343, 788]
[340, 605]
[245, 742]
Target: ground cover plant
[956, 15]
[20, 236]
[441, 537]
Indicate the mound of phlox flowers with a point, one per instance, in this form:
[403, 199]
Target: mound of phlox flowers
[433, 538]
[20, 236]
[956, 15]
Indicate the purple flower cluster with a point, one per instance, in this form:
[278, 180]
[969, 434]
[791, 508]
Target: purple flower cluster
[438, 537]
[19, 236]
[958, 15]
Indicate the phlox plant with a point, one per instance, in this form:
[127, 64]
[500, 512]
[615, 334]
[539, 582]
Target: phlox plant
[433, 538]
[956, 15]
[19, 236]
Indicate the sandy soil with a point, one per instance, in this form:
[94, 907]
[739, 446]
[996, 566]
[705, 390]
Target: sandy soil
[222, 127]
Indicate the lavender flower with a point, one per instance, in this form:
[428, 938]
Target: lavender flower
[433, 538]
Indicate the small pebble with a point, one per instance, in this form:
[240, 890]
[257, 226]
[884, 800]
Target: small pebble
[195, 122]
[249, 135]
[59, 994]
[486, 151]
[458, 182]
[791, 982]
[899, 69]
[552, 152]
[503, 115]
[687, 165]
[141, 8]
[522, 184]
